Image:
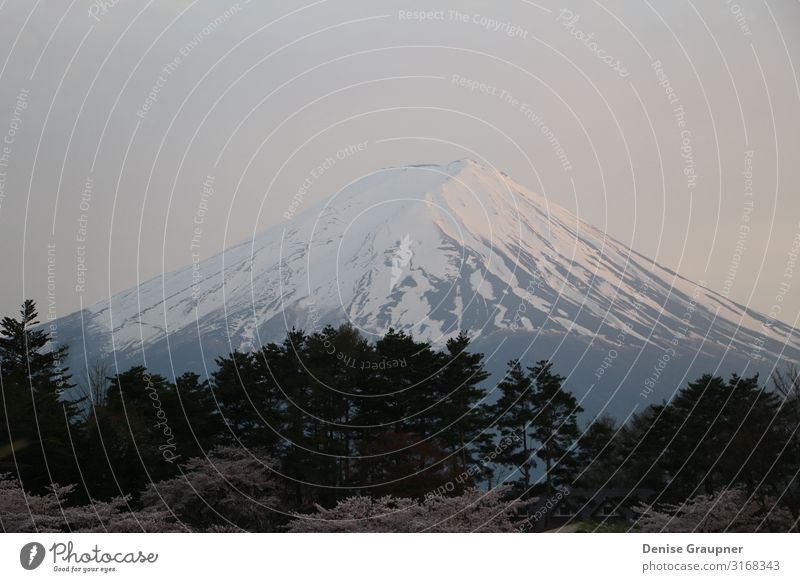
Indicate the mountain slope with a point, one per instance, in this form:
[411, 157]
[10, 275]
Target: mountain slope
[433, 250]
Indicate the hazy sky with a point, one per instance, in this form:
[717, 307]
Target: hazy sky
[671, 124]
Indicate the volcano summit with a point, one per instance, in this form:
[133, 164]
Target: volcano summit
[433, 250]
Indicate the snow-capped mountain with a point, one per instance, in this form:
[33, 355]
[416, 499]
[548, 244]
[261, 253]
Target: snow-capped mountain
[434, 250]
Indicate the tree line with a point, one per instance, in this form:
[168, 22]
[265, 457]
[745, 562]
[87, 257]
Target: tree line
[322, 417]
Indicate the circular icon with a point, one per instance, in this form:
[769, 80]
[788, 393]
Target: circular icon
[31, 555]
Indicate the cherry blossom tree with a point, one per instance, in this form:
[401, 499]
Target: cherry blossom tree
[472, 511]
[22, 511]
[731, 510]
[233, 489]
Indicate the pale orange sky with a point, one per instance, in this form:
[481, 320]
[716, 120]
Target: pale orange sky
[147, 102]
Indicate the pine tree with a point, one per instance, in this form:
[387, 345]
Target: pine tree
[464, 415]
[401, 389]
[756, 443]
[599, 453]
[198, 423]
[643, 442]
[514, 411]
[555, 425]
[723, 433]
[37, 417]
[139, 427]
[696, 418]
[329, 407]
[786, 385]
[396, 415]
[247, 393]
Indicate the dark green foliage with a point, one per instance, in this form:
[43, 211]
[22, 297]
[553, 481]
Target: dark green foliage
[538, 418]
[724, 433]
[599, 454]
[515, 409]
[338, 415]
[712, 436]
[643, 440]
[554, 425]
[464, 418]
[137, 430]
[399, 446]
[36, 425]
[343, 415]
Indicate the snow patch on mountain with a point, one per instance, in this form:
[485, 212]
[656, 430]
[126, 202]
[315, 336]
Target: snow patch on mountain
[431, 250]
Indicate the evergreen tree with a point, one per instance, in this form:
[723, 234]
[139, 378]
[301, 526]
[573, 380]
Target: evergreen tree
[554, 424]
[464, 415]
[786, 384]
[249, 397]
[643, 441]
[328, 408]
[404, 371]
[198, 423]
[38, 420]
[599, 454]
[697, 420]
[138, 429]
[336, 415]
[756, 442]
[723, 433]
[515, 410]
[397, 416]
